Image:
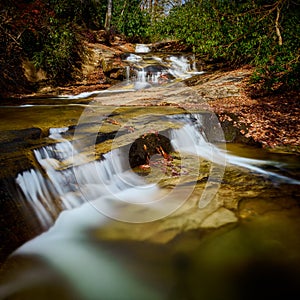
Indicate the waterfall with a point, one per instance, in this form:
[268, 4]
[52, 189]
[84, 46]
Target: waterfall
[181, 67]
[147, 75]
[142, 48]
[45, 193]
[127, 72]
[66, 179]
[194, 67]
[141, 75]
[189, 139]
[180, 64]
[133, 58]
[66, 185]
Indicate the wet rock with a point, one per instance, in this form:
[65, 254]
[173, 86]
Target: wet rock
[113, 68]
[144, 147]
[169, 46]
[219, 218]
[13, 163]
[31, 73]
[218, 84]
[102, 137]
[16, 148]
[15, 140]
[17, 226]
[28, 133]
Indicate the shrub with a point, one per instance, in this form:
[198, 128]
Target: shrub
[262, 33]
[59, 53]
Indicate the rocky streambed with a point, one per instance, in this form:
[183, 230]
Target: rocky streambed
[119, 179]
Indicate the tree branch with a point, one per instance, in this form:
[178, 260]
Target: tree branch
[277, 27]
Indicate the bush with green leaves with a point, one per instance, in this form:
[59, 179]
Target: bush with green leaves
[265, 34]
[89, 13]
[130, 20]
[57, 48]
[60, 52]
[46, 32]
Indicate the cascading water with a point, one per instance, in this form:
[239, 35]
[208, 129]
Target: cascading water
[141, 75]
[141, 48]
[145, 70]
[179, 66]
[73, 196]
[85, 195]
[155, 70]
[197, 144]
[67, 186]
[56, 192]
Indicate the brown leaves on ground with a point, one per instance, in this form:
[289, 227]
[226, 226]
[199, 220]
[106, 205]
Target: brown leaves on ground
[272, 120]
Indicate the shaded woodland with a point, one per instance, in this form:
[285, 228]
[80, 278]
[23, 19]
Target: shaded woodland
[50, 33]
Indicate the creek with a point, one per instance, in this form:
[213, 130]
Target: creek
[134, 193]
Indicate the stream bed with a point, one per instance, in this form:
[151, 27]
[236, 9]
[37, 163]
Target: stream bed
[134, 193]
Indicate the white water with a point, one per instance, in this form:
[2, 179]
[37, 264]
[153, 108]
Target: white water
[189, 140]
[133, 58]
[72, 180]
[79, 195]
[89, 194]
[85, 95]
[142, 48]
[181, 67]
[92, 272]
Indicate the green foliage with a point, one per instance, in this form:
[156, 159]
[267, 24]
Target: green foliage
[235, 31]
[130, 20]
[59, 54]
[90, 13]
[11, 75]
[241, 32]
[46, 32]
[49, 38]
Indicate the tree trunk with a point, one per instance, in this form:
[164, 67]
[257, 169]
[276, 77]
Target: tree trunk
[108, 16]
[277, 27]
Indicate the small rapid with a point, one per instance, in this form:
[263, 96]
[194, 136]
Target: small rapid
[91, 203]
[211, 152]
[73, 179]
[75, 198]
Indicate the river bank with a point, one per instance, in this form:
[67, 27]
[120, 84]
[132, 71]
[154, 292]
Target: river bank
[271, 120]
[267, 120]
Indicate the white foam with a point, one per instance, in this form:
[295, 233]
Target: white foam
[142, 48]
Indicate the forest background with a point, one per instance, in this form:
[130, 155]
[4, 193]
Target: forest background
[51, 34]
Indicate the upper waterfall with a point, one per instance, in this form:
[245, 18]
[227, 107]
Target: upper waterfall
[142, 48]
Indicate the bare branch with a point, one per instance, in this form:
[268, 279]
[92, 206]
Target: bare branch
[277, 27]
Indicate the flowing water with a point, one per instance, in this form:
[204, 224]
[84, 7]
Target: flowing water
[144, 202]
